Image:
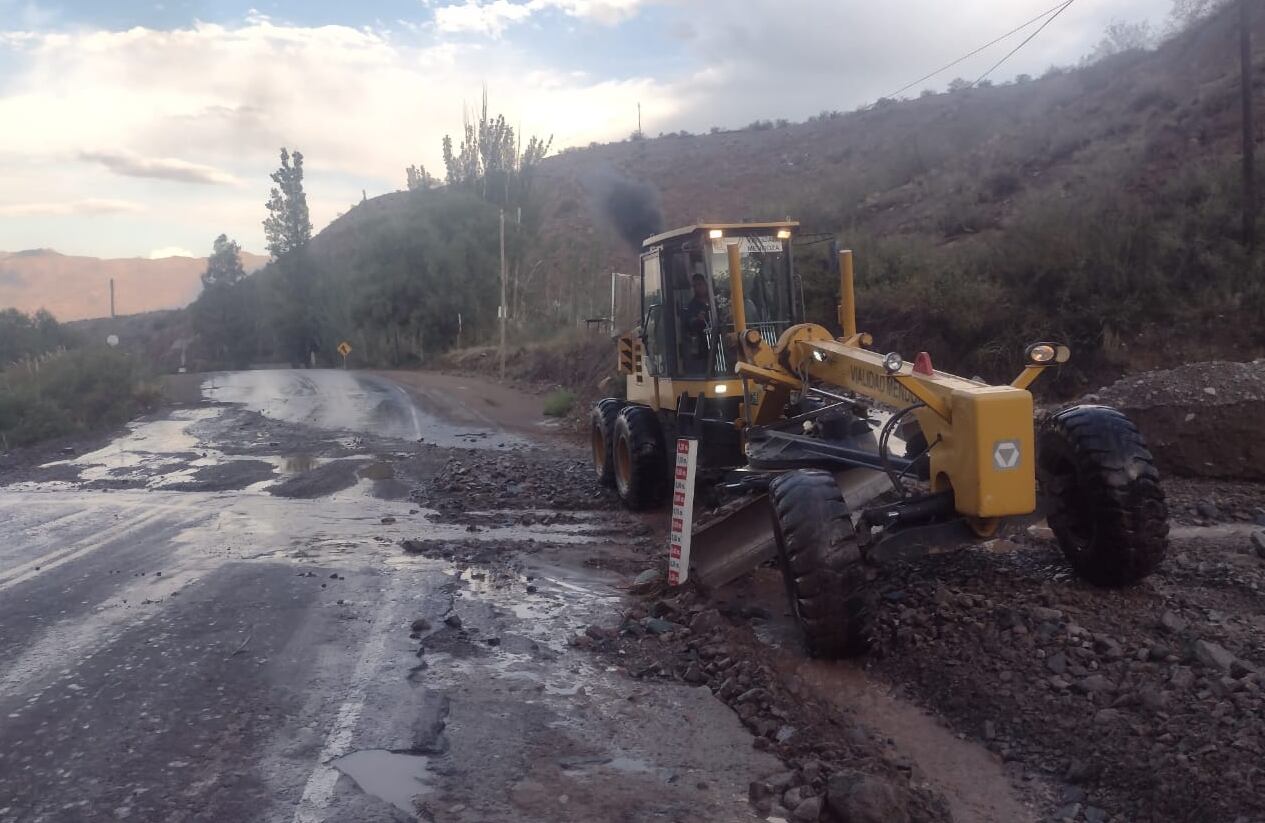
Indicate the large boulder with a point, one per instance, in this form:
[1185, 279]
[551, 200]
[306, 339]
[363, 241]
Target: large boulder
[854, 797]
[1200, 419]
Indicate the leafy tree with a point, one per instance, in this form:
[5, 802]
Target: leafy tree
[30, 335]
[223, 317]
[224, 266]
[288, 226]
[419, 178]
[413, 278]
[492, 163]
[1120, 37]
[489, 161]
[1187, 12]
[959, 84]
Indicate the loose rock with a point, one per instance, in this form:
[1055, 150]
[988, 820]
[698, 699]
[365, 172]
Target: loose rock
[855, 797]
[1212, 655]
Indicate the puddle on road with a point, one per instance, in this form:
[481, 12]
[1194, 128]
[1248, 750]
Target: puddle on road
[299, 463]
[347, 401]
[145, 449]
[395, 777]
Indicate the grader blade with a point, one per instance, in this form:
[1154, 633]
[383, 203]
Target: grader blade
[739, 537]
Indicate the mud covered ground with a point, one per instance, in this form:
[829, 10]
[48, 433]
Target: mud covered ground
[1071, 703]
[1000, 688]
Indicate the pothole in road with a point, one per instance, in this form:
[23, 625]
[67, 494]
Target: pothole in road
[394, 777]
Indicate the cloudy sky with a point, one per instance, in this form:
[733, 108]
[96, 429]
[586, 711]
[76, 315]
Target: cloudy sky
[145, 128]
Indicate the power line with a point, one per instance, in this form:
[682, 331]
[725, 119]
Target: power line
[1025, 42]
[1054, 10]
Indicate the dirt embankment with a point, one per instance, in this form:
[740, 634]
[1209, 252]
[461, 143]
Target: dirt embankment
[583, 363]
[1200, 419]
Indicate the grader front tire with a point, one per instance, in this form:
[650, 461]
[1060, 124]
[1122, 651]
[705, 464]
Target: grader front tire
[1106, 507]
[825, 573]
[640, 458]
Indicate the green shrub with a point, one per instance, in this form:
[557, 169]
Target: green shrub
[558, 403]
[69, 392]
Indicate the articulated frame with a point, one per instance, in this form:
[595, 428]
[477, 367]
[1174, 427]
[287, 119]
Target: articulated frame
[981, 436]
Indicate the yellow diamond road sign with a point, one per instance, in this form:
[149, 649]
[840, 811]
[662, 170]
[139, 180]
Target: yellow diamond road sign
[344, 348]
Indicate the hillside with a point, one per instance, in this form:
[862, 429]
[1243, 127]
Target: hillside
[74, 288]
[945, 165]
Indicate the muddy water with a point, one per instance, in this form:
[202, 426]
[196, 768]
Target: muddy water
[969, 776]
[396, 777]
[352, 401]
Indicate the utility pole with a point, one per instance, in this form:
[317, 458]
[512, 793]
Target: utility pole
[1249, 139]
[502, 312]
[638, 119]
[112, 315]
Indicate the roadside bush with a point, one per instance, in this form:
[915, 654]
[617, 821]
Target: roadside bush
[70, 392]
[558, 403]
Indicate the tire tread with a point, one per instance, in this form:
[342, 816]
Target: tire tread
[1126, 511]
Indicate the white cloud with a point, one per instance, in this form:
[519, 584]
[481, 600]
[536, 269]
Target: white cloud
[494, 17]
[85, 206]
[606, 12]
[170, 251]
[158, 168]
[358, 103]
[474, 17]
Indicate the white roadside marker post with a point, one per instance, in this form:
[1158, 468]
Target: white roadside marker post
[682, 511]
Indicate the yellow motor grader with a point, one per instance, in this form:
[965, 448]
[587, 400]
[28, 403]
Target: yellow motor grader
[835, 457]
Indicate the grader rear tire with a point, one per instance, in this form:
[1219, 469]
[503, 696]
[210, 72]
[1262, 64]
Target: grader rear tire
[602, 438]
[640, 458]
[1106, 507]
[825, 573]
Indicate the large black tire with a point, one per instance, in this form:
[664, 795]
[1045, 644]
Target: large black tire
[1103, 496]
[826, 577]
[602, 438]
[640, 458]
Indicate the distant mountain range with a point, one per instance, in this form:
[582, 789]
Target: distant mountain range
[75, 288]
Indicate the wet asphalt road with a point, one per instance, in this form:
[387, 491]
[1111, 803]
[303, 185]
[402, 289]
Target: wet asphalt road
[231, 655]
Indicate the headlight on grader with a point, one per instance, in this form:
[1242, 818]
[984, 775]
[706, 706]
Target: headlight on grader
[892, 362]
[1045, 354]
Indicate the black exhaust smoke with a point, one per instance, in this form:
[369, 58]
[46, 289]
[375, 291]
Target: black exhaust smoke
[632, 208]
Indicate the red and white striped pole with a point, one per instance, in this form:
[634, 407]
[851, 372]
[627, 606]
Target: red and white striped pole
[682, 511]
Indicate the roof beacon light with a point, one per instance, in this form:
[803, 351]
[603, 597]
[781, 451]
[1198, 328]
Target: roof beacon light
[922, 364]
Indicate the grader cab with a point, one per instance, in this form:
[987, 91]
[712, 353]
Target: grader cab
[835, 457]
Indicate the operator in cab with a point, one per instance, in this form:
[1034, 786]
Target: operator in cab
[695, 317]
